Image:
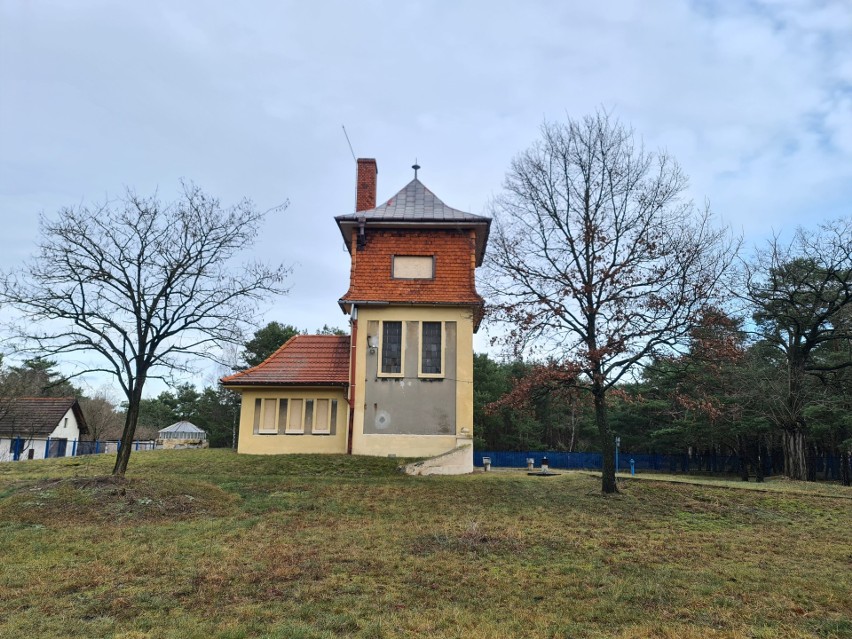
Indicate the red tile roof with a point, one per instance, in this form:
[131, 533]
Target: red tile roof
[304, 360]
[37, 416]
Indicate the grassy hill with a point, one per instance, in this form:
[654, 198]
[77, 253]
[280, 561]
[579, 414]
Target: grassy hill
[214, 545]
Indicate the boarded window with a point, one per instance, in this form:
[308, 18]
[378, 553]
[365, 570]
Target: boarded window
[294, 424]
[391, 348]
[430, 360]
[305, 416]
[413, 267]
[321, 424]
[268, 425]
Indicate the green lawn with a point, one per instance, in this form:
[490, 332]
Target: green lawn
[214, 545]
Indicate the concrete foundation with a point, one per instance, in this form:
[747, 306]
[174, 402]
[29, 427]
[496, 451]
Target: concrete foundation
[458, 461]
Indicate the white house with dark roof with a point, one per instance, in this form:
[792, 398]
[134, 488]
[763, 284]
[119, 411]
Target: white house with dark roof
[39, 427]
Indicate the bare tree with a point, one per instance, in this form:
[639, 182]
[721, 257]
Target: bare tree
[801, 292]
[102, 418]
[139, 287]
[598, 261]
[7, 392]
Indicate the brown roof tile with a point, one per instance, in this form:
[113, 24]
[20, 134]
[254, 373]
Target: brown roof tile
[37, 416]
[304, 360]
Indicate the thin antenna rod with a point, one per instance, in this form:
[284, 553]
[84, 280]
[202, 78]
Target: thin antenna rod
[348, 142]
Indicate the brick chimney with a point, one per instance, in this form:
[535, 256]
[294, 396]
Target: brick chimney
[365, 195]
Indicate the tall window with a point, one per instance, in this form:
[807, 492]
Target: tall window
[431, 353]
[326, 415]
[294, 424]
[264, 416]
[308, 423]
[391, 348]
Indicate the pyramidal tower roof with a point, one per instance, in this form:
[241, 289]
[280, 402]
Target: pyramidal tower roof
[416, 205]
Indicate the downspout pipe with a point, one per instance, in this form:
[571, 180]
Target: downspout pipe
[353, 340]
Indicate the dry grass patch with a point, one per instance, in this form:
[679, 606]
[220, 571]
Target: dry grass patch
[325, 547]
[108, 500]
[472, 538]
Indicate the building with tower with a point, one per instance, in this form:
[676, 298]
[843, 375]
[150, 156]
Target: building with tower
[401, 383]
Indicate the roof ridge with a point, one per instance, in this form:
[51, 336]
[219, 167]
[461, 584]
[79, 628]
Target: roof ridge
[412, 196]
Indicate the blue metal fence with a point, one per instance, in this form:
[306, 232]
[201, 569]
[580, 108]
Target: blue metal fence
[825, 466]
[45, 448]
[510, 459]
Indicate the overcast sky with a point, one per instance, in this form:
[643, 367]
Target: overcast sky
[754, 98]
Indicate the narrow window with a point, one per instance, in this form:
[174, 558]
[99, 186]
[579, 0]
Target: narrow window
[282, 415]
[309, 415]
[294, 424]
[258, 404]
[332, 420]
[321, 425]
[431, 354]
[391, 348]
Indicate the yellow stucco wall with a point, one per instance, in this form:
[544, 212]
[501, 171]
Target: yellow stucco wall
[406, 445]
[256, 444]
[417, 445]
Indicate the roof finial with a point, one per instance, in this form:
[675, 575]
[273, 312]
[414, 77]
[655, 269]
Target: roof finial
[415, 166]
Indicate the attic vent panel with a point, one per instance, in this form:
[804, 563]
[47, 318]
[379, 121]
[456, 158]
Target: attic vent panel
[413, 267]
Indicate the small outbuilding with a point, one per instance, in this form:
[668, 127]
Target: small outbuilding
[40, 427]
[182, 434]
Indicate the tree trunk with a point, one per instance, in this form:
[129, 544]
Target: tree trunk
[793, 439]
[795, 459]
[573, 428]
[608, 484]
[130, 421]
[743, 456]
[845, 473]
[758, 469]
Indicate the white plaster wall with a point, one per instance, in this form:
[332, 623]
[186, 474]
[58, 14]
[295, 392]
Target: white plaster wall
[67, 428]
[37, 445]
[5, 449]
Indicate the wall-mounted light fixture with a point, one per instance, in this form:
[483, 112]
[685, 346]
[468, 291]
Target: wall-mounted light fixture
[372, 342]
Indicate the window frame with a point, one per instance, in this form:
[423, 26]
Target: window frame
[283, 413]
[316, 430]
[259, 414]
[288, 430]
[443, 351]
[380, 363]
[393, 268]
